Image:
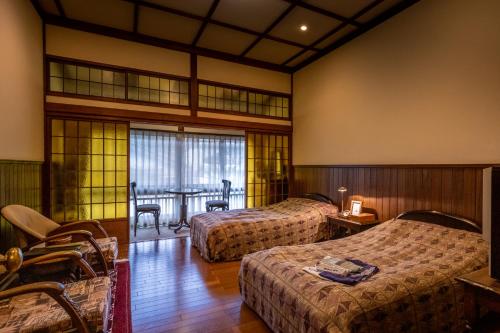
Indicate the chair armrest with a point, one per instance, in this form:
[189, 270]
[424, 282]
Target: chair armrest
[83, 225]
[87, 235]
[56, 291]
[74, 256]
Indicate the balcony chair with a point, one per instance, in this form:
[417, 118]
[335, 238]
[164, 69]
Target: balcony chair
[223, 204]
[81, 306]
[34, 229]
[145, 209]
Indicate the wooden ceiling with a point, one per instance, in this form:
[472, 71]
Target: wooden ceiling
[263, 33]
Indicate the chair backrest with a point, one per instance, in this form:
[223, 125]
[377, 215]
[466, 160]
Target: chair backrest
[29, 221]
[134, 193]
[226, 190]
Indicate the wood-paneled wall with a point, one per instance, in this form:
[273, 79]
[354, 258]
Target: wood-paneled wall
[20, 183]
[390, 190]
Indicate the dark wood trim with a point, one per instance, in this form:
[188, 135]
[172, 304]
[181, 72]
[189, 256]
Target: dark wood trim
[396, 9]
[334, 30]
[194, 84]
[266, 32]
[89, 112]
[325, 12]
[211, 11]
[485, 165]
[136, 18]
[159, 42]
[60, 8]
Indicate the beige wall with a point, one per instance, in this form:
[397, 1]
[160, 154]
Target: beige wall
[97, 48]
[423, 87]
[242, 75]
[21, 82]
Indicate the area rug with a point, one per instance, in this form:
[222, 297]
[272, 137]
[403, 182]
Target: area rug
[146, 234]
[122, 316]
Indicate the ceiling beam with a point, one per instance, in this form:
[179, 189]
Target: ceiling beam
[60, 8]
[211, 11]
[159, 42]
[136, 18]
[213, 21]
[394, 10]
[334, 30]
[324, 12]
[266, 32]
[38, 8]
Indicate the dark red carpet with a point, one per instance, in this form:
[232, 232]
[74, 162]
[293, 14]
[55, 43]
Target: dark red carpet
[122, 318]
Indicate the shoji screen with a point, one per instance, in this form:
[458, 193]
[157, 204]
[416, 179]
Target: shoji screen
[88, 169]
[268, 160]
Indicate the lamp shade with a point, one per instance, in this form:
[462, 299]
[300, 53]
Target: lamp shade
[342, 189]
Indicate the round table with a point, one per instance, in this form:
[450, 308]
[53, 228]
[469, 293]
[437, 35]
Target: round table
[183, 213]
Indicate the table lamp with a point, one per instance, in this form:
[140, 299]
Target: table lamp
[342, 190]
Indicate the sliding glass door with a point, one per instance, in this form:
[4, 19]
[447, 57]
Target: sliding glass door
[162, 160]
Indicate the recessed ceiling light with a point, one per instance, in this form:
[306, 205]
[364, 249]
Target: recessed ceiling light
[303, 27]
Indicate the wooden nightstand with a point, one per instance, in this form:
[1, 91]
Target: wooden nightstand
[481, 291]
[337, 223]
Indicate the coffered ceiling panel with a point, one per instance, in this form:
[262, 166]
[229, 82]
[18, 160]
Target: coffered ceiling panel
[317, 26]
[224, 39]
[262, 33]
[198, 7]
[346, 8]
[251, 14]
[336, 36]
[49, 6]
[275, 52]
[168, 26]
[112, 13]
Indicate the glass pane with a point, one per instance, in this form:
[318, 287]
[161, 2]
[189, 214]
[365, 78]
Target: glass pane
[95, 75]
[133, 94]
[164, 97]
[109, 194]
[109, 178]
[108, 90]
[109, 163]
[57, 145]
[143, 81]
[109, 211]
[121, 210]
[164, 84]
[83, 73]
[119, 92]
[144, 94]
[97, 211]
[154, 83]
[107, 77]
[121, 194]
[119, 79]
[56, 84]
[95, 89]
[83, 88]
[174, 98]
[121, 147]
[56, 69]
[97, 179]
[57, 127]
[184, 87]
[184, 99]
[69, 71]
[97, 146]
[202, 89]
[70, 86]
[154, 96]
[174, 85]
[84, 129]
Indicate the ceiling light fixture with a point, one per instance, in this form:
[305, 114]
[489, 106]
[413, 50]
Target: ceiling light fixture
[303, 27]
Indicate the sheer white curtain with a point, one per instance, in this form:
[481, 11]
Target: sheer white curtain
[168, 160]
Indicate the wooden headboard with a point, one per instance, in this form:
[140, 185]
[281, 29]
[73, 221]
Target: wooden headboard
[318, 197]
[439, 218]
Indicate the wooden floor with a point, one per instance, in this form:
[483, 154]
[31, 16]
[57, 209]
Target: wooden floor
[175, 290]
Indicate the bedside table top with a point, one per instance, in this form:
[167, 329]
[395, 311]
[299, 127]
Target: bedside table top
[347, 220]
[481, 279]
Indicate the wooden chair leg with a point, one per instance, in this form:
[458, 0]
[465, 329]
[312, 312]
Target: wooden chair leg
[157, 221]
[136, 220]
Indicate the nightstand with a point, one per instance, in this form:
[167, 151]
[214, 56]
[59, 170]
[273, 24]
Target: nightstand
[337, 223]
[481, 291]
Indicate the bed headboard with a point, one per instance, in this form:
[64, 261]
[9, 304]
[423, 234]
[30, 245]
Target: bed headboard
[318, 197]
[439, 218]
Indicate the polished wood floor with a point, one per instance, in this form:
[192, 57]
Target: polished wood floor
[175, 290]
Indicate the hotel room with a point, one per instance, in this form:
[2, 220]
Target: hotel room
[250, 166]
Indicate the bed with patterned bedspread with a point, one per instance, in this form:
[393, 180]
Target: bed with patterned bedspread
[415, 290]
[229, 235]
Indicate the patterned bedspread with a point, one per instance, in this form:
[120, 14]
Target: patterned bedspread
[414, 291]
[229, 235]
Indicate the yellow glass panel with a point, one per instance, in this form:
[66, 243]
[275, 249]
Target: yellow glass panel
[71, 128]
[258, 152]
[84, 195]
[71, 212]
[251, 140]
[258, 140]
[121, 178]
[251, 177]
[121, 163]
[84, 179]
[109, 147]
[97, 130]
[121, 210]
[109, 194]
[250, 152]
[109, 163]
[109, 130]
[285, 113]
[121, 194]
[84, 129]
[109, 211]
[250, 165]
[57, 145]
[84, 162]
[57, 213]
[84, 212]
[97, 211]
[70, 179]
[109, 178]
[285, 141]
[121, 147]
[258, 201]
[57, 127]
[84, 146]
[97, 146]
[121, 131]
[250, 203]
[272, 141]
[97, 195]
[97, 179]
[97, 162]
[71, 146]
[279, 141]
[258, 189]
[250, 190]
[71, 162]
